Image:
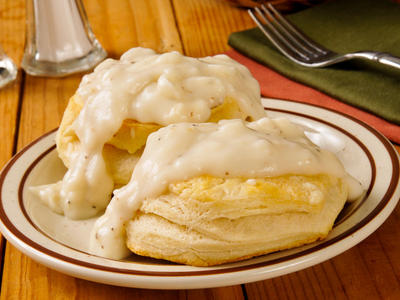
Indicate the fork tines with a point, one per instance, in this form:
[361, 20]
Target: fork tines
[285, 36]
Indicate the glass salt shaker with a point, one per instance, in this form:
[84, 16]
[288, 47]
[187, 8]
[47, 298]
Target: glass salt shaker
[8, 70]
[59, 40]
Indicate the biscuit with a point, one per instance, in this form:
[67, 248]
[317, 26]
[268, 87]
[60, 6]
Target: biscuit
[209, 221]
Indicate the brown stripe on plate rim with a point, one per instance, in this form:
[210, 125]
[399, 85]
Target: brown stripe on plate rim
[385, 199]
[21, 199]
[358, 142]
[352, 210]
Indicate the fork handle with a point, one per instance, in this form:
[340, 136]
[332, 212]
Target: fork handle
[388, 59]
[381, 57]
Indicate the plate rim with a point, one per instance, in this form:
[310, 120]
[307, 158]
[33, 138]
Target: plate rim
[377, 211]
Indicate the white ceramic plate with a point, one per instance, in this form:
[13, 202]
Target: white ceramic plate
[61, 244]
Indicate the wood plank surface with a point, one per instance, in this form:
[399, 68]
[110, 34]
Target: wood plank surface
[118, 26]
[197, 28]
[205, 25]
[364, 272]
[11, 40]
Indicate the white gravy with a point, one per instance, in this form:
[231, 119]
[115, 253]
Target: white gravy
[231, 148]
[150, 88]
[166, 89]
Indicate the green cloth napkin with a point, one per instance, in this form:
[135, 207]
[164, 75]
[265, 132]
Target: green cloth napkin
[342, 26]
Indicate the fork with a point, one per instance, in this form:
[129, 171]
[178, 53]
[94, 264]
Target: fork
[299, 48]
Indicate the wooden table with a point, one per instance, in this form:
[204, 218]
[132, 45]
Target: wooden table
[32, 106]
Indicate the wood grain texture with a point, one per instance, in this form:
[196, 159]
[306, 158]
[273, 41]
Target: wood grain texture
[119, 25]
[364, 272]
[197, 28]
[205, 25]
[11, 40]
[370, 270]
[12, 28]
[9, 98]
